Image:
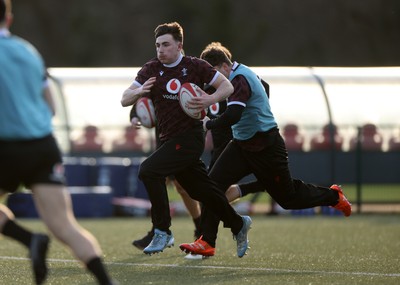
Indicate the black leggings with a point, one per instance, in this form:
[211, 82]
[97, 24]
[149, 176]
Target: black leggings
[180, 156]
[270, 167]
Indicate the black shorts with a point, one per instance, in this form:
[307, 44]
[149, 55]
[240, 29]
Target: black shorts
[30, 162]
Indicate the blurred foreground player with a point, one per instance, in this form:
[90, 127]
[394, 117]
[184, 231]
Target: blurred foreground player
[30, 156]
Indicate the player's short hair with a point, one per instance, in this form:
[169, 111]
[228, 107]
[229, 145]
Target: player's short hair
[174, 28]
[216, 54]
[5, 8]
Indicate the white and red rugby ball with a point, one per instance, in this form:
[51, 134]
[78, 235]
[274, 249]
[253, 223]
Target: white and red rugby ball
[145, 112]
[188, 91]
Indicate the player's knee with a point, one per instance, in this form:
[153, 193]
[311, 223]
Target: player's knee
[287, 205]
[5, 213]
[180, 190]
[144, 170]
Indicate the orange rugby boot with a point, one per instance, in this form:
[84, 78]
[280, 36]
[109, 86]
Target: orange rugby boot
[343, 204]
[199, 247]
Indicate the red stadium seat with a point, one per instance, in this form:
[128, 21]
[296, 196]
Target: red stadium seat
[132, 141]
[90, 141]
[371, 139]
[293, 139]
[394, 143]
[323, 140]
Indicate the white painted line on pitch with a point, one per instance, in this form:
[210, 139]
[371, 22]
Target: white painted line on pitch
[277, 270]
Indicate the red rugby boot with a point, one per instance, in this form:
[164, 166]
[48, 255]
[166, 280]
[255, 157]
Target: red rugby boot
[200, 247]
[343, 204]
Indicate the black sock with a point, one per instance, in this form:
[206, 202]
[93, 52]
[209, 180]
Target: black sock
[237, 227]
[197, 228]
[196, 222]
[337, 197]
[14, 231]
[96, 266]
[210, 242]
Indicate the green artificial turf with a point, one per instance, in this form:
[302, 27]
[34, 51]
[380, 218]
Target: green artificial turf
[362, 249]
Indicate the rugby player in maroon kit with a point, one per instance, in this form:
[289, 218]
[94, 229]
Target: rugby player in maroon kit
[181, 137]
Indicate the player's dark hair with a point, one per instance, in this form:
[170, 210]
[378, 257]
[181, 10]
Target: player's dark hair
[216, 54]
[2, 10]
[174, 28]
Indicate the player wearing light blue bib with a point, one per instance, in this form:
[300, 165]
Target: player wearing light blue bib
[257, 148]
[29, 156]
[23, 79]
[257, 115]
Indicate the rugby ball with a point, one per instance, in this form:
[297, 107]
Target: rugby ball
[145, 112]
[188, 91]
